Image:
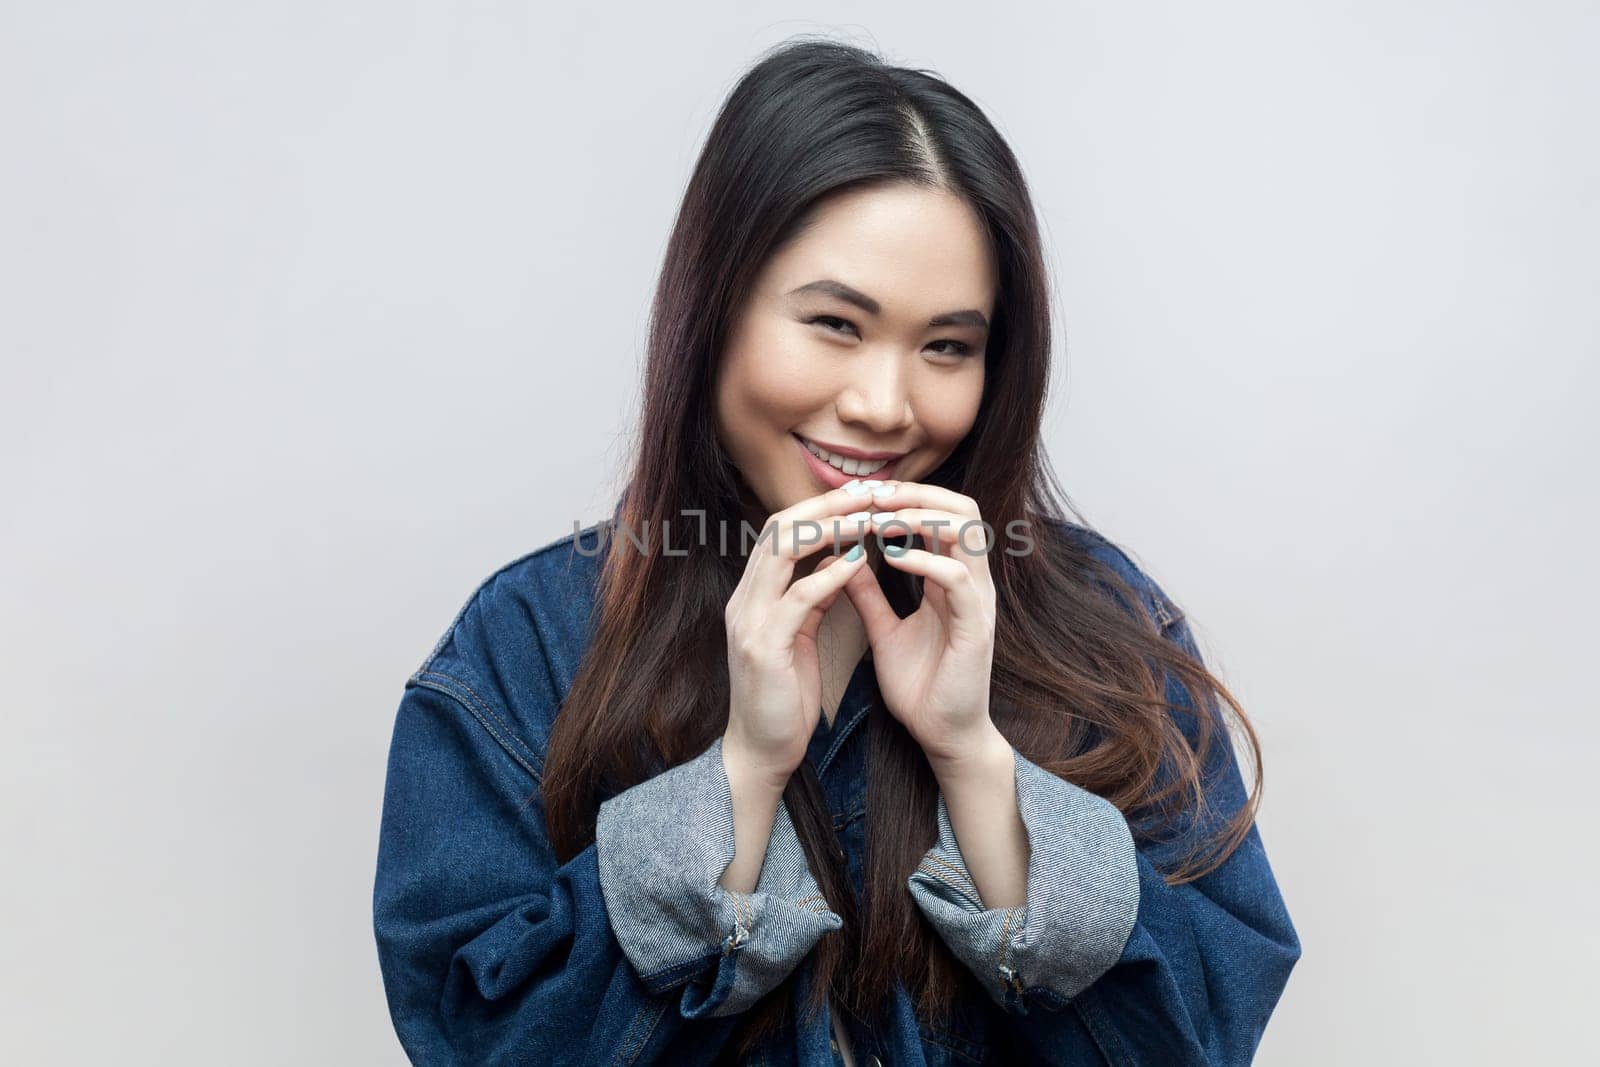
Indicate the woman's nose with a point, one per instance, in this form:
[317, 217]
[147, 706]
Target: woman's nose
[877, 394]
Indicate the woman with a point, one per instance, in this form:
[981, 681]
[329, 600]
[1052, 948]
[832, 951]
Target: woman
[964, 792]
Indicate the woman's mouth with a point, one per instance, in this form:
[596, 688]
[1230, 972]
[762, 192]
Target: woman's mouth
[834, 469]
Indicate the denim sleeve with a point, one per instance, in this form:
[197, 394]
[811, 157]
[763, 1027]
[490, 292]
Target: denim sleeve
[493, 952]
[663, 847]
[1082, 893]
[1183, 975]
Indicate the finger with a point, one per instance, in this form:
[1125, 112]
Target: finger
[877, 614]
[959, 537]
[964, 534]
[855, 495]
[826, 561]
[791, 614]
[782, 540]
[923, 495]
[786, 538]
[967, 601]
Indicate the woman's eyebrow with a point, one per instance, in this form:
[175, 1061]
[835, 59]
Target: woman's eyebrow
[829, 287]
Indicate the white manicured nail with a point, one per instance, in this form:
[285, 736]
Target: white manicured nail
[855, 488]
[882, 491]
[859, 516]
[881, 517]
[872, 483]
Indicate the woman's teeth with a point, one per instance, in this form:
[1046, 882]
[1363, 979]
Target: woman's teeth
[853, 467]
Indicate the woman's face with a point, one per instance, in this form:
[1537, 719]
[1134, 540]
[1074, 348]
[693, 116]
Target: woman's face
[862, 338]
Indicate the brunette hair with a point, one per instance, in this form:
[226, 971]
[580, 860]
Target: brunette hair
[1077, 676]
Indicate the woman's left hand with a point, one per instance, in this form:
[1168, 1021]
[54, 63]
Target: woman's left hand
[933, 666]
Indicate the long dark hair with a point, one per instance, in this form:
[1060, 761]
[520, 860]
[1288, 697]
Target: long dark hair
[1076, 676]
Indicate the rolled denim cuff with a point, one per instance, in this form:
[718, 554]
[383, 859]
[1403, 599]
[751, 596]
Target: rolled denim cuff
[662, 847]
[1081, 903]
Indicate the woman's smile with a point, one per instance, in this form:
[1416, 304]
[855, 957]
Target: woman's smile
[833, 469]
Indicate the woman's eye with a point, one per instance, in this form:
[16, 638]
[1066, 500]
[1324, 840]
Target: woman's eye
[827, 319]
[835, 324]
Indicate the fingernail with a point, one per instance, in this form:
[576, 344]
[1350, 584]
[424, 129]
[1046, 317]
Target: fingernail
[881, 516]
[854, 554]
[894, 550]
[855, 488]
[873, 483]
[859, 516]
[881, 491]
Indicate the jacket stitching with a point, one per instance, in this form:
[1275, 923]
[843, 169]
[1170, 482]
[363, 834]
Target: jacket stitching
[629, 1052]
[1004, 934]
[1105, 1035]
[839, 741]
[841, 821]
[669, 974]
[489, 710]
[960, 890]
[443, 683]
[963, 880]
[952, 868]
[938, 876]
[508, 740]
[967, 1050]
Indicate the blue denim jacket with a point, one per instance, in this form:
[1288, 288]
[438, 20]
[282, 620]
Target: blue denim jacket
[632, 952]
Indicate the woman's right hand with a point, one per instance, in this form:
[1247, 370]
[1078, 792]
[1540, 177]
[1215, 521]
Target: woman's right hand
[775, 682]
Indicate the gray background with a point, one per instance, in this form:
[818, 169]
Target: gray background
[316, 314]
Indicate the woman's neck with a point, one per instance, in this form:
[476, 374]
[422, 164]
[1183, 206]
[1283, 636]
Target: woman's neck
[841, 642]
